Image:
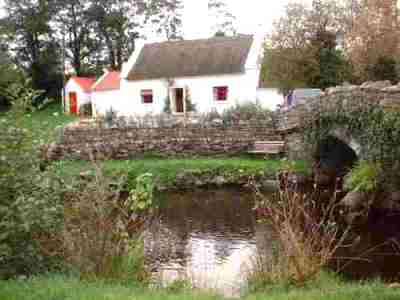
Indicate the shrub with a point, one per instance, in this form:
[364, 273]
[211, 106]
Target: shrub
[85, 110]
[103, 227]
[110, 117]
[30, 201]
[209, 117]
[190, 106]
[363, 177]
[385, 68]
[247, 112]
[167, 105]
[307, 238]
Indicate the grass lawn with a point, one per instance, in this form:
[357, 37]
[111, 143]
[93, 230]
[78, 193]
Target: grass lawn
[64, 288]
[44, 123]
[167, 169]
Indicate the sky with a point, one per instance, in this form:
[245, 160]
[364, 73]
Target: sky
[253, 16]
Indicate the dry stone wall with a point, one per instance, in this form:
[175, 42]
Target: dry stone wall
[86, 142]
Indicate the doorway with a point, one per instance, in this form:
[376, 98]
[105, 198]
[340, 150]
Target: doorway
[73, 103]
[179, 105]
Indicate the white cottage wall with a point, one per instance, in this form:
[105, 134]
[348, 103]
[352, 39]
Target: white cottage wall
[269, 98]
[241, 88]
[82, 96]
[132, 99]
[103, 101]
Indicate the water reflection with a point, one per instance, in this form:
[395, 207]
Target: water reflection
[207, 237]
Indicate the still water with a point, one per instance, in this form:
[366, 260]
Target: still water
[209, 238]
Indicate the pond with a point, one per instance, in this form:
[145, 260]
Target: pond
[209, 238]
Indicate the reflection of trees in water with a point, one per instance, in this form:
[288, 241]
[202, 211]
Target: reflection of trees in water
[221, 213]
[375, 252]
[220, 220]
[207, 237]
[162, 245]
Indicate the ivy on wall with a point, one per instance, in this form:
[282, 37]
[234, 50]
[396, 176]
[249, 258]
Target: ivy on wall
[367, 122]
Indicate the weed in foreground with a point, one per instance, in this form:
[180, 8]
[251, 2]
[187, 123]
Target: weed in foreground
[307, 237]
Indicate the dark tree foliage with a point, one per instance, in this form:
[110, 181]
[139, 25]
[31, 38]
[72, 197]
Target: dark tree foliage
[119, 23]
[9, 73]
[45, 34]
[302, 49]
[74, 30]
[331, 67]
[27, 30]
[385, 68]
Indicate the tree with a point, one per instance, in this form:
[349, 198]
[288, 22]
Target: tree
[9, 74]
[375, 34]
[223, 20]
[74, 31]
[26, 29]
[117, 23]
[302, 49]
[167, 18]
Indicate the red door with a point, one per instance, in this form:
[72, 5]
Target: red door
[73, 103]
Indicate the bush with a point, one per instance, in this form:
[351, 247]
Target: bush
[363, 177]
[167, 105]
[30, 200]
[307, 238]
[385, 68]
[85, 110]
[111, 117]
[247, 112]
[103, 227]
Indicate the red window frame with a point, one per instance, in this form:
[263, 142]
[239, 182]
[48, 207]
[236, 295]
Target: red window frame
[221, 93]
[147, 96]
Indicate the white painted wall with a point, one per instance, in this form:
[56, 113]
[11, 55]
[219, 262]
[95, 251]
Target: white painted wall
[132, 99]
[269, 98]
[241, 88]
[82, 97]
[103, 101]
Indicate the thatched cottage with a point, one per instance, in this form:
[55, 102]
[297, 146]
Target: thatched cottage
[210, 74]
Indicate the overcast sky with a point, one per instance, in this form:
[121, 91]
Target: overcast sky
[253, 16]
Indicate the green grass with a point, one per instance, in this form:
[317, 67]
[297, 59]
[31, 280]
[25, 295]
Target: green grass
[45, 123]
[166, 170]
[328, 286]
[63, 288]
[66, 288]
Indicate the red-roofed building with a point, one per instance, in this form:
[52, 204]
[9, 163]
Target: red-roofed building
[106, 94]
[109, 81]
[78, 91]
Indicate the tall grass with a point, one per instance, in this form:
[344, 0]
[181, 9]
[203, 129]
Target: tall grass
[307, 237]
[102, 231]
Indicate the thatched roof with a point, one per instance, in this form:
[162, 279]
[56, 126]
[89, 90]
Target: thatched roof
[218, 55]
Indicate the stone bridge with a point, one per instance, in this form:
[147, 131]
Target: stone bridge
[290, 122]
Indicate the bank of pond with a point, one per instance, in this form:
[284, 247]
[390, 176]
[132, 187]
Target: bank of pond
[206, 244]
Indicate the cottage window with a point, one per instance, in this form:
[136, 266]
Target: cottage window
[147, 96]
[221, 93]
